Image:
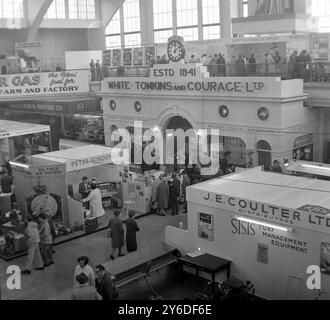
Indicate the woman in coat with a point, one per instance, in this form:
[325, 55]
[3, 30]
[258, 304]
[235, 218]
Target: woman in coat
[95, 201]
[131, 229]
[163, 193]
[117, 234]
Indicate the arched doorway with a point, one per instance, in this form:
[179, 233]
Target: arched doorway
[177, 123]
[264, 151]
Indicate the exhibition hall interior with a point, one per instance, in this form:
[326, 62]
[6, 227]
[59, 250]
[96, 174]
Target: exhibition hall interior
[165, 150]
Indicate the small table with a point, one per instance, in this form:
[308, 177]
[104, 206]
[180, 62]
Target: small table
[207, 263]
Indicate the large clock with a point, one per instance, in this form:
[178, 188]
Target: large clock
[175, 49]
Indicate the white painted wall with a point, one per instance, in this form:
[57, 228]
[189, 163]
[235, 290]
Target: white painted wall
[271, 280]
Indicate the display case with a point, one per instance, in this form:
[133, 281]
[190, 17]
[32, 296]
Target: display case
[111, 194]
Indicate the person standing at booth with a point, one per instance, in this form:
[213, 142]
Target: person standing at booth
[6, 182]
[84, 190]
[95, 201]
[163, 193]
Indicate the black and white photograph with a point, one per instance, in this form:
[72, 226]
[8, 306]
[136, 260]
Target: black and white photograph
[165, 150]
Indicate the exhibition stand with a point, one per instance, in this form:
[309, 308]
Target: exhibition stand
[16, 138]
[271, 226]
[51, 182]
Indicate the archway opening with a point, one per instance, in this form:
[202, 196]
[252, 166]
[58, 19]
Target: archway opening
[177, 123]
[264, 151]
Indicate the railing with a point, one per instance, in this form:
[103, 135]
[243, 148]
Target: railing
[317, 72]
[309, 72]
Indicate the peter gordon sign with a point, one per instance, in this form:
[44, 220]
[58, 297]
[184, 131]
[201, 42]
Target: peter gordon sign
[54, 83]
[267, 212]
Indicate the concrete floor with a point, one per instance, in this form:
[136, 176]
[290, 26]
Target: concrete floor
[55, 282]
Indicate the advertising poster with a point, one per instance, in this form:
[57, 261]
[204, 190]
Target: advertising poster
[263, 252]
[325, 258]
[116, 58]
[47, 191]
[320, 48]
[206, 226]
[53, 83]
[107, 58]
[138, 56]
[128, 56]
[150, 54]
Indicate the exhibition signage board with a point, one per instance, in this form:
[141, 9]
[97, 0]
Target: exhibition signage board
[54, 83]
[83, 157]
[55, 107]
[93, 161]
[300, 218]
[180, 79]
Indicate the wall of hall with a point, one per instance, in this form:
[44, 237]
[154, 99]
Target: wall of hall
[8, 38]
[56, 41]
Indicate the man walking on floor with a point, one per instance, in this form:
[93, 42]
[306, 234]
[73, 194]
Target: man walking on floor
[34, 252]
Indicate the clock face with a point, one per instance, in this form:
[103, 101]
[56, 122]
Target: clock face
[175, 51]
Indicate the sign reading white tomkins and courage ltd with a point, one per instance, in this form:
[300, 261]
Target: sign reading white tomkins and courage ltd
[54, 83]
[262, 211]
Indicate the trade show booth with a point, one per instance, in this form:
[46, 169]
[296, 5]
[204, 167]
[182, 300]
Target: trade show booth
[95, 163]
[272, 227]
[19, 138]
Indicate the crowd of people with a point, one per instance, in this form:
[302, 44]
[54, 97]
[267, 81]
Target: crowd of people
[270, 63]
[41, 233]
[90, 285]
[97, 70]
[168, 191]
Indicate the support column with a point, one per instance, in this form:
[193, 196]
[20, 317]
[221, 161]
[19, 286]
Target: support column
[147, 22]
[200, 19]
[320, 139]
[36, 11]
[229, 10]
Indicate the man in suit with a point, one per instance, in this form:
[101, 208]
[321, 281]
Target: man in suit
[84, 291]
[104, 284]
[84, 190]
[175, 194]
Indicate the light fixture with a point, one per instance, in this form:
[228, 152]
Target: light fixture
[263, 114]
[199, 133]
[286, 162]
[137, 106]
[113, 105]
[310, 166]
[265, 224]
[19, 165]
[223, 111]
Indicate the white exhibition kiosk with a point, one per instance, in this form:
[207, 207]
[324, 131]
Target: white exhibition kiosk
[9, 130]
[271, 226]
[92, 161]
[12, 129]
